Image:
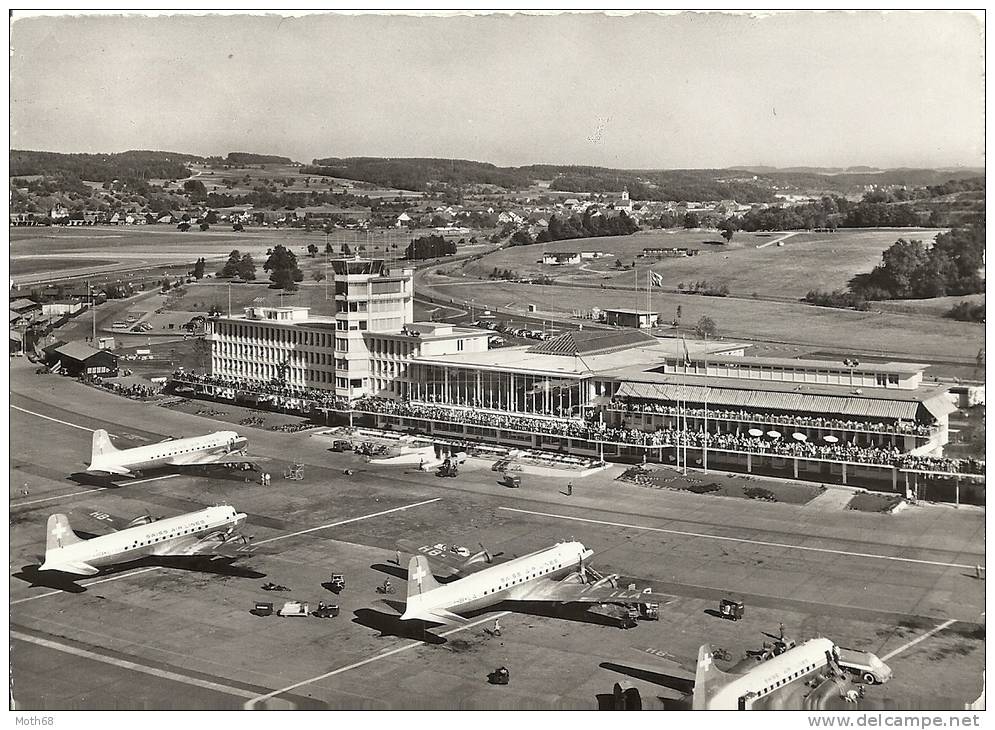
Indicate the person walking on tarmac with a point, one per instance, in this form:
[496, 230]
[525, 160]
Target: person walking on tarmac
[497, 628]
[570, 488]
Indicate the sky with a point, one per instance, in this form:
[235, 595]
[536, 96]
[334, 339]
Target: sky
[690, 90]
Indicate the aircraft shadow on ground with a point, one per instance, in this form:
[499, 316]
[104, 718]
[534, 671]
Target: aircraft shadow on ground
[402, 573]
[391, 625]
[658, 677]
[216, 472]
[197, 564]
[568, 612]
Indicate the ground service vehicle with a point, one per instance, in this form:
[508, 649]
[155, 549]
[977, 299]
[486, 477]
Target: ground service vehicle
[326, 610]
[263, 608]
[337, 582]
[341, 445]
[866, 665]
[730, 609]
[294, 608]
[512, 481]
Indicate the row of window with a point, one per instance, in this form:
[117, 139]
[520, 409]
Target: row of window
[293, 335]
[513, 580]
[786, 680]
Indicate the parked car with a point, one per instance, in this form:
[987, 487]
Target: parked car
[341, 445]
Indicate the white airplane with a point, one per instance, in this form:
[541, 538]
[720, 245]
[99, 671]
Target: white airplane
[779, 682]
[208, 532]
[215, 448]
[555, 575]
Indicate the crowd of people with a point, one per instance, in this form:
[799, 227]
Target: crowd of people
[898, 426]
[599, 432]
[310, 397]
[135, 391]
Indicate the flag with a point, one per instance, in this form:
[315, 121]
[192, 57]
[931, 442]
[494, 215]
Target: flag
[657, 278]
[687, 355]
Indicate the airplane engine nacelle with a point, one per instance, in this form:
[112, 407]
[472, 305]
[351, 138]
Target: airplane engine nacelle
[482, 557]
[611, 580]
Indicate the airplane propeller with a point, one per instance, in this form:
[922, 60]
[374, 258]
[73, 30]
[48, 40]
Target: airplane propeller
[488, 556]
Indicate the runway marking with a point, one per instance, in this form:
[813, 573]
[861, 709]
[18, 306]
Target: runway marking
[89, 491]
[124, 664]
[151, 479]
[86, 585]
[345, 522]
[910, 644]
[59, 496]
[260, 542]
[250, 705]
[741, 539]
[56, 420]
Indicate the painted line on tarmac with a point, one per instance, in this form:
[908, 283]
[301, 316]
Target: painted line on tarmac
[346, 522]
[910, 644]
[151, 479]
[56, 420]
[124, 664]
[86, 585]
[59, 496]
[830, 551]
[260, 542]
[90, 491]
[251, 704]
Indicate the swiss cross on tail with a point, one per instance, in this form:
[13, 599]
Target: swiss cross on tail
[59, 531]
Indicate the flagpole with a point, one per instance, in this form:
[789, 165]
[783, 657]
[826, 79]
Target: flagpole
[705, 439]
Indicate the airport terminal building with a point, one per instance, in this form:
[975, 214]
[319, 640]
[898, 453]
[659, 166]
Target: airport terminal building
[606, 393]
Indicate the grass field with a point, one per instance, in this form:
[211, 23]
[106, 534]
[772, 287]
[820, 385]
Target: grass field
[805, 260]
[907, 336]
[936, 307]
[33, 264]
[34, 250]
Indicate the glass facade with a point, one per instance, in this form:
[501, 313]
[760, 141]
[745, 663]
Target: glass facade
[551, 395]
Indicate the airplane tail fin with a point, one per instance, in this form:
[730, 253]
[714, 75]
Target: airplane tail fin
[101, 445]
[60, 534]
[420, 578]
[708, 679]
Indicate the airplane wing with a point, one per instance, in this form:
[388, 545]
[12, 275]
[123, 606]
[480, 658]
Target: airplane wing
[119, 470]
[561, 591]
[447, 563]
[438, 616]
[218, 544]
[75, 567]
[111, 521]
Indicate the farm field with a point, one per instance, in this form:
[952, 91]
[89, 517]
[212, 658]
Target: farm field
[805, 261]
[213, 179]
[886, 334]
[937, 306]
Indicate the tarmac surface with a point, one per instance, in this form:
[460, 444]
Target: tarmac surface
[180, 634]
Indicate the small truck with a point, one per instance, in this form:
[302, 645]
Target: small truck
[864, 664]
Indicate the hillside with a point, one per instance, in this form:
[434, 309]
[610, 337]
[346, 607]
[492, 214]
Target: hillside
[130, 165]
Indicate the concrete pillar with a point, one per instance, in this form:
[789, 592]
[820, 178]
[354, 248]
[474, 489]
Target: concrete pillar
[749, 462]
[844, 473]
[894, 479]
[795, 465]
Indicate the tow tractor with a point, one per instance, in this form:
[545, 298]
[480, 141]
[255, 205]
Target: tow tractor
[326, 610]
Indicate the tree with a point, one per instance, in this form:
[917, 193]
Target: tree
[211, 217]
[237, 227]
[204, 226]
[691, 220]
[727, 234]
[246, 268]
[312, 250]
[282, 265]
[679, 307]
[328, 248]
[705, 327]
[198, 268]
[230, 269]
